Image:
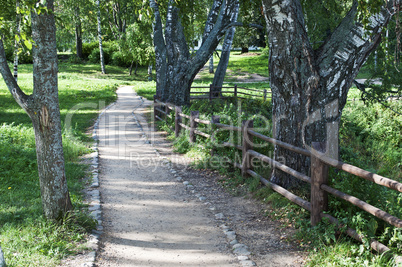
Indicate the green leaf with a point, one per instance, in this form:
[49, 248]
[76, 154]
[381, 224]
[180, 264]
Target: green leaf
[28, 44]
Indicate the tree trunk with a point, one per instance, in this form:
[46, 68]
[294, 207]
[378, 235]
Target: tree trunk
[16, 45]
[175, 67]
[78, 33]
[2, 260]
[102, 59]
[211, 64]
[309, 88]
[224, 60]
[131, 67]
[244, 50]
[160, 53]
[43, 109]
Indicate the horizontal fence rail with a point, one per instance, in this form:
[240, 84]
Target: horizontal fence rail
[320, 162]
[217, 92]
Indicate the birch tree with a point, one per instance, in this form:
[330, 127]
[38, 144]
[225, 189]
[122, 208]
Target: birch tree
[16, 45]
[224, 59]
[102, 58]
[175, 67]
[310, 84]
[2, 260]
[42, 106]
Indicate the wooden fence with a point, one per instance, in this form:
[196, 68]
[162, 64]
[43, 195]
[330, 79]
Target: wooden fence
[236, 91]
[318, 205]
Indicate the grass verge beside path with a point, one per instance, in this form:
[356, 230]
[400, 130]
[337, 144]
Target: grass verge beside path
[26, 237]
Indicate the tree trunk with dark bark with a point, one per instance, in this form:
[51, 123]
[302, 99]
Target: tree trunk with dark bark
[131, 67]
[175, 68]
[43, 109]
[78, 33]
[310, 87]
[224, 60]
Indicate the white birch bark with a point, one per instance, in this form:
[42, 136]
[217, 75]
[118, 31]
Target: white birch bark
[102, 58]
[310, 87]
[224, 60]
[173, 60]
[2, 260]
[16, 45]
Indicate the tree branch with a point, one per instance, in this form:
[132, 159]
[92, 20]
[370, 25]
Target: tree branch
[211, 20]
[241, 24]
[160, 50]
[175, 40]
[19, 96]
[218, 30]
[348, 47]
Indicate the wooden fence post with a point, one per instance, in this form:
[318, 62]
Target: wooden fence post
[235, 90]
[167, 111]
[319, 176]
[155, 98]
[193, 125]
[214, 119]
[247, 144]
[210, 92]
[177, 121]
[265, 95]
[155, 112]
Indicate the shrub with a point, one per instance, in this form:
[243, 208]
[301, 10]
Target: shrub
[87, 49]
[94, 57]
[109, 48]
[118, 59]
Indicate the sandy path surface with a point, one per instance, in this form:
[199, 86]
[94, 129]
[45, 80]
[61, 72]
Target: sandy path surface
[148, 218]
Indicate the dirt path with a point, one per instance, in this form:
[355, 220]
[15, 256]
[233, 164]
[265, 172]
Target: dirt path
[158, 212]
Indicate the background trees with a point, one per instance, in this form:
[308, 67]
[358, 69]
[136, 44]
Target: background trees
[246, 36]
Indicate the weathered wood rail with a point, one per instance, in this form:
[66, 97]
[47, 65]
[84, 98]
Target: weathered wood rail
[235, 90]
[318, 204]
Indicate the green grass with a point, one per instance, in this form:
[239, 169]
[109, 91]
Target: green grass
[240, 67]
[26, 237]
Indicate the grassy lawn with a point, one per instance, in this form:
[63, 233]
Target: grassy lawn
[26, 237]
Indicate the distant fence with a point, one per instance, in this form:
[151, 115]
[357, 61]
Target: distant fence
[218, 92]
[318, 205]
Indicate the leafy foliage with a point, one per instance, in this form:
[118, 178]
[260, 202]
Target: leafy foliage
[384, 69]
[246, 36]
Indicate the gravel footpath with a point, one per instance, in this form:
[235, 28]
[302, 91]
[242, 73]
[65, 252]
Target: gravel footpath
[156, 211]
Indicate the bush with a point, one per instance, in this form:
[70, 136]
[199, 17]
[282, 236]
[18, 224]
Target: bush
[87, 49]
[94, 57]
[109, 48]
[118, 59]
